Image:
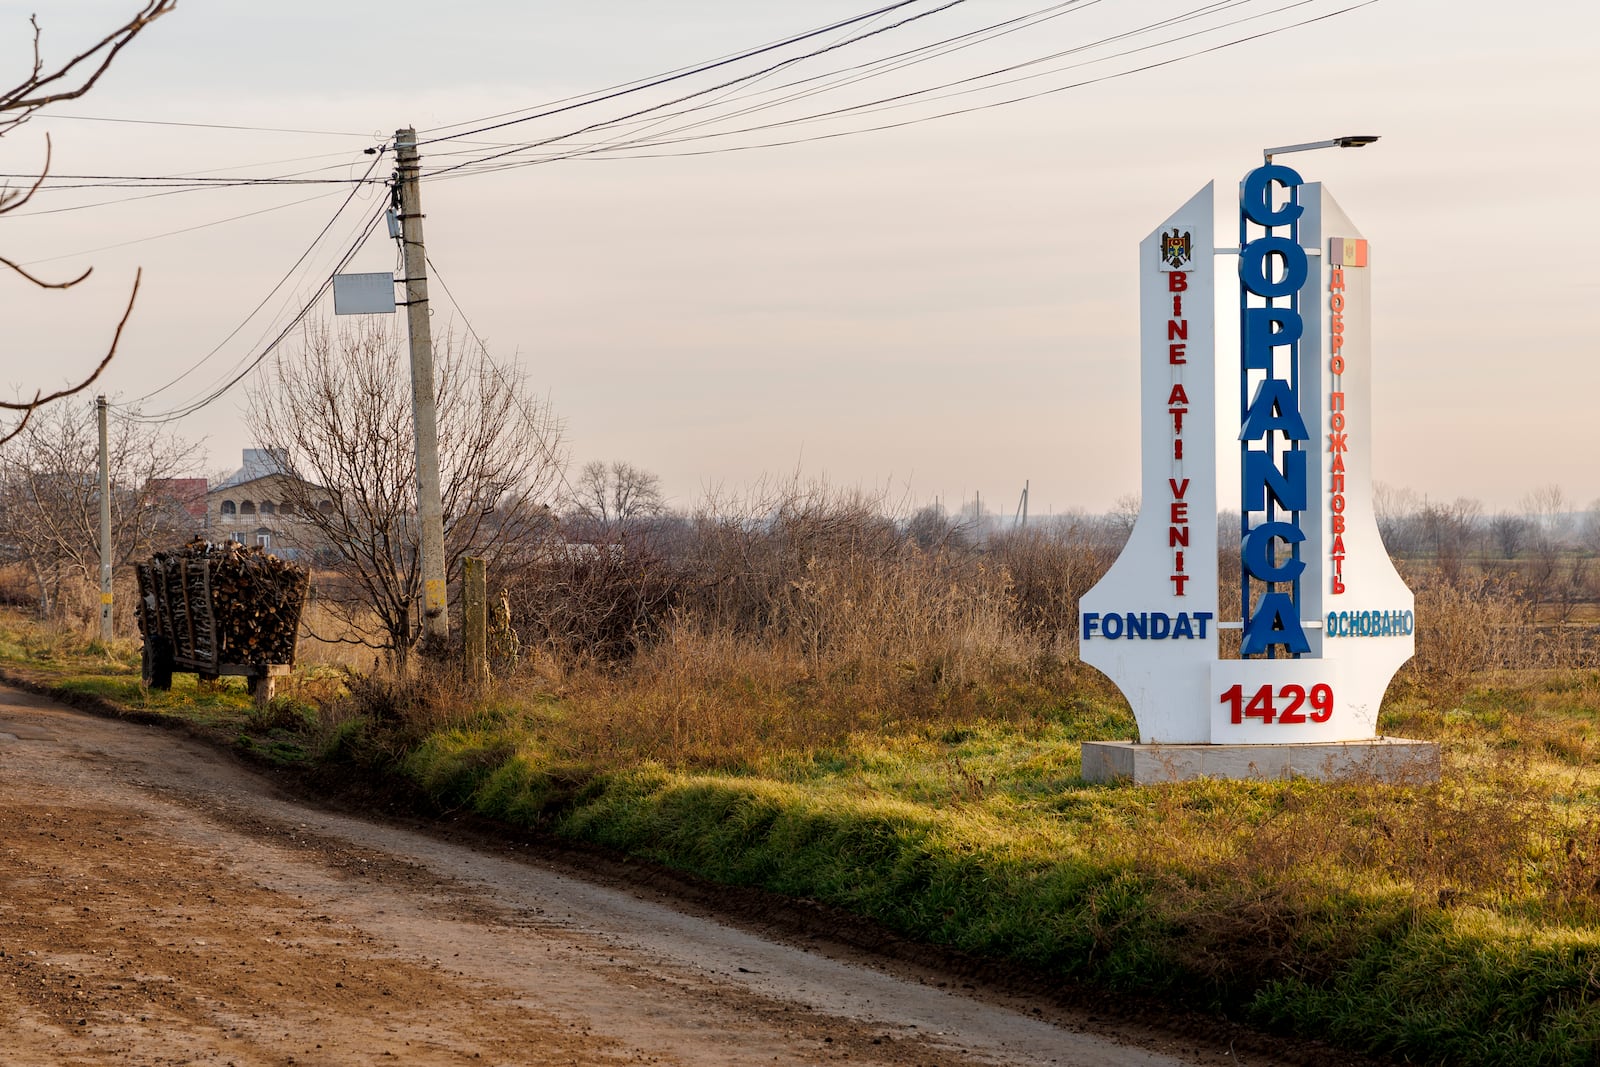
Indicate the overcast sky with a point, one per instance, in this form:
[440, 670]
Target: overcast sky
[935, 310]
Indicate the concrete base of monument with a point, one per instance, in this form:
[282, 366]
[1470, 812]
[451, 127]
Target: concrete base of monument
[1385, 759]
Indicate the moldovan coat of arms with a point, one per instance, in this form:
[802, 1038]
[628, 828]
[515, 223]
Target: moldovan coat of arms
[1177, 249]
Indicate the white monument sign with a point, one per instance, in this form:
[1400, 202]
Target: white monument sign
[1323, 619]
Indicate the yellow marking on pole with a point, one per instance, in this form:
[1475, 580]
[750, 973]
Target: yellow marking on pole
[433, 595]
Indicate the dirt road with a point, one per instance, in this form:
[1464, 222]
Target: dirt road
[160, 904]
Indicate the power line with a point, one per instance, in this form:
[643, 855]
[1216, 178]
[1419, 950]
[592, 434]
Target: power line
[926, 53]
[681, 73]
[253, 363]
[328, 226]
[849, 75]
[901, 60]
[596, 95]
[948, 4]
[516, 394]
[568, 104]
[174, 233]
[615, 150]
[886, 103]
[955, 42]
[110, 203]
[903, 99]
[147, 180]
[250, 365]
[167, 192]
[733, 92]
[197, 125]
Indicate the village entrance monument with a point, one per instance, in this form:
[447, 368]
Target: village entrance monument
[1286, 678]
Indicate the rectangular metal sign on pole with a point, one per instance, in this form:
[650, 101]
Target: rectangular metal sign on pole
[363, 294]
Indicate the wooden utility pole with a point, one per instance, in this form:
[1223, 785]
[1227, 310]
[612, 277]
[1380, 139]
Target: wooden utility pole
[430, 512]
[105, 523]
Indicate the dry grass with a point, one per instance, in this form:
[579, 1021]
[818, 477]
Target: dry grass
[1475, 625]
[711, 641]
[732, 638]
[329, 638]
[710, 698]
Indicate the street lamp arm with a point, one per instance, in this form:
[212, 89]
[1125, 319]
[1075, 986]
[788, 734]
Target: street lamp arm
[1347, 141]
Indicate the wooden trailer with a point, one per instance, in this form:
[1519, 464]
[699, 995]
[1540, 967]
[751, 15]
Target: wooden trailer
[220, 610]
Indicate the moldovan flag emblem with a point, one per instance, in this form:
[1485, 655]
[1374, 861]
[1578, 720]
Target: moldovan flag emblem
[1348, 252]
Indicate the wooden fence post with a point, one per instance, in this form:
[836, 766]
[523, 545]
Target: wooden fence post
[475, 619]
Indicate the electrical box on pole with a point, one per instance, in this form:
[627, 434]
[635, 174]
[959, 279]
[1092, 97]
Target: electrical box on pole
[430, 512]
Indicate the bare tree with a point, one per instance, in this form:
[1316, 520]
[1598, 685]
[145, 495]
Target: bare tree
[1550, 512]
[1589, 530]
[932, 527]
[1123, 515]
[50, 496]
[612, 495]
[337, 414]
[1571, 586]
[1395, 510]
[1550, 523]
[1510, 532]
[1589, 538]
[40, 88]
[1449, 530]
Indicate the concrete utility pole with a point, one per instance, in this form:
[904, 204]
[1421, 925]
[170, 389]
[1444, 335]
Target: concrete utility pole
[105, 523]
[430, 512]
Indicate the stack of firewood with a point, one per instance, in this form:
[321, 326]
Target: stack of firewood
[224, 602]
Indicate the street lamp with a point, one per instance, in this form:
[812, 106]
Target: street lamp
[1350, 141]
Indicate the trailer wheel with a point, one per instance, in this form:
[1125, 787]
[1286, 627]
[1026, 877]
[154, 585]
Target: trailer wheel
[156, 664]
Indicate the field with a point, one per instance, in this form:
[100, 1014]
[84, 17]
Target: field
[896, 732]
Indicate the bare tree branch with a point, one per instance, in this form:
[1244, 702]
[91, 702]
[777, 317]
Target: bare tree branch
[68, 81]
[36, 90]
[40, 399]
[40, 282]
[339, 639]
[10, 201]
